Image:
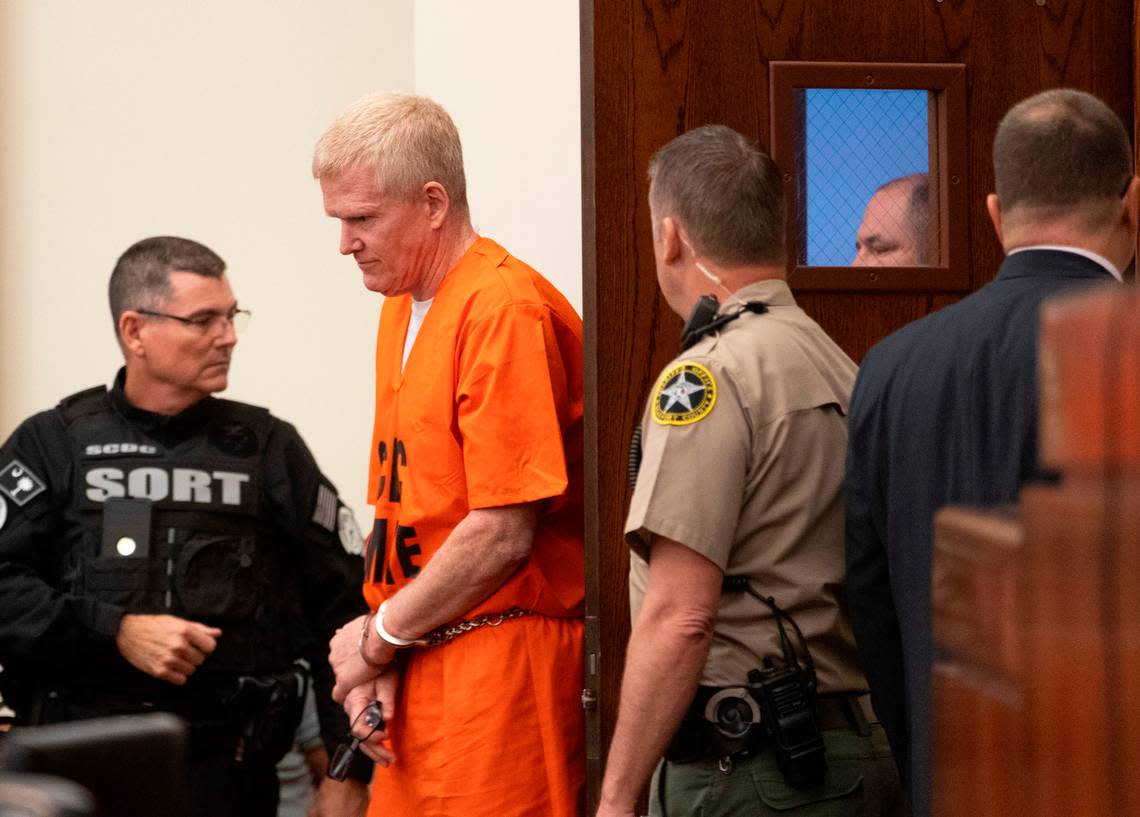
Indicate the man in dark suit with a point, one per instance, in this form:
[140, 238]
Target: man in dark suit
[945, 410]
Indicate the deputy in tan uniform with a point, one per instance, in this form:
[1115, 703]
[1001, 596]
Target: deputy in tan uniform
[741, 668]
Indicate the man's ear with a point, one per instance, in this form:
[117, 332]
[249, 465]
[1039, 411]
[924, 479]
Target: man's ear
[993, 207]
[130, 333]
[670, 237]
[1131, 214]
[438, 203]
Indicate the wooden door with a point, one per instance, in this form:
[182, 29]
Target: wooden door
[652, 69]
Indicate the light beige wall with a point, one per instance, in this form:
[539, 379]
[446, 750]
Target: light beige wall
[121, 119]
[508, 72]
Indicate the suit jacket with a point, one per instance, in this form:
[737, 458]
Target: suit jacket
[944, 412]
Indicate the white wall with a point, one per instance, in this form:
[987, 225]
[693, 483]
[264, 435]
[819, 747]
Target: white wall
[121, 119]
[508, 72]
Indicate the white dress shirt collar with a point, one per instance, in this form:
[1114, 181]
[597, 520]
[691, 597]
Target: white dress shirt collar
[1089, 254]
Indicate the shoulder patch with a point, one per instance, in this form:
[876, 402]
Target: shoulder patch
[19, 484]
[685, 393]
[349, 532]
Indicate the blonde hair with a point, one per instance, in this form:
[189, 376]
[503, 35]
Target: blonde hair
[409, 140]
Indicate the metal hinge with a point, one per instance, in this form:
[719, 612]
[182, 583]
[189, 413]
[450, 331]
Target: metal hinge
[589, 699]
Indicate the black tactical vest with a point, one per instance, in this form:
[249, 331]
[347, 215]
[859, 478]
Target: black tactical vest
[178, 528]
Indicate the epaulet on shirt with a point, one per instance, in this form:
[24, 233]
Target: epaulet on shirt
[80, 404]
[258, 418]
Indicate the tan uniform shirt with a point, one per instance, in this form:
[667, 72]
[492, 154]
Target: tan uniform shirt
[744, 441]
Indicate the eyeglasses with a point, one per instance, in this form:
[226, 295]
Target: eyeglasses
[338, 768]
[207, 322]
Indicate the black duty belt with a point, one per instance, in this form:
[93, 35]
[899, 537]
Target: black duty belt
[209, 730]
[698, 739]
[838, 711]
[254, 716]
[82, 702]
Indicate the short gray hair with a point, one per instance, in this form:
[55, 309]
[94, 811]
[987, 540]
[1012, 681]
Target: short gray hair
[1061, 150]
[725, 191]
[141, 277]
[409, 140]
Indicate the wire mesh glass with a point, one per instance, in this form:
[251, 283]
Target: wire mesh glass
[862, 157]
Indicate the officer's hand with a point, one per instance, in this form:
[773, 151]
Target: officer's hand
[344, 658]
[383, 689]
[348, 798]
[167, 647]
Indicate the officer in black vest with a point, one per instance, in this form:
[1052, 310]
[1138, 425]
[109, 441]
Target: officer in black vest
[163, 549]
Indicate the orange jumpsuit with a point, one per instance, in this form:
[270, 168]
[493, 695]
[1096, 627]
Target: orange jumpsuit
[487, 412]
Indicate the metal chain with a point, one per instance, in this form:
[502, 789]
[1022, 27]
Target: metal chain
[449, 632]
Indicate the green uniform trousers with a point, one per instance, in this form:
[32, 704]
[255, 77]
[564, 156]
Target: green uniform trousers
[861, 781]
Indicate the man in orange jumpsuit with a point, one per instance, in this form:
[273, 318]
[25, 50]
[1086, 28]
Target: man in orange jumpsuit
[474, 569]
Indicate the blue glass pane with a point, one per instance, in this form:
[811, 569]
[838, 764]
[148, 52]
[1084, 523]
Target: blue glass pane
[855, 141]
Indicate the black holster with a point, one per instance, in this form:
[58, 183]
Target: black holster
[268, 709]
[698, 739]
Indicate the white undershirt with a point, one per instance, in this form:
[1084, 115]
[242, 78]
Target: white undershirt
[419, 312]
[1089, 254]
